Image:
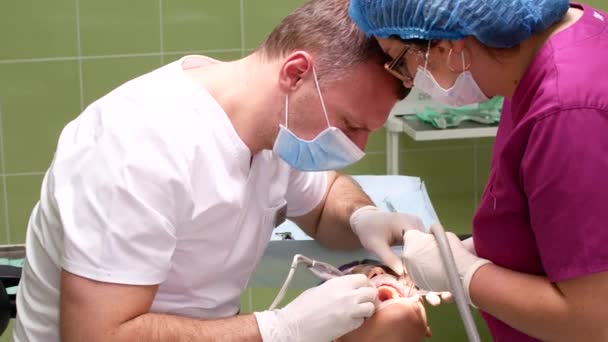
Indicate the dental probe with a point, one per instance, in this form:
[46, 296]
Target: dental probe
[391, 208]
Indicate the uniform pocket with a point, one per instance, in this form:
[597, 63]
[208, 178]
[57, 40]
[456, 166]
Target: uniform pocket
[276, 215]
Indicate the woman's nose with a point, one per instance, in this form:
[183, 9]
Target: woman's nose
[408, 83]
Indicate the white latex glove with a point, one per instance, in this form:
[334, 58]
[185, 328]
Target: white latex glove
[378, 230]
[321, 313]
[436, 298]
[425, 266]
[469, 244]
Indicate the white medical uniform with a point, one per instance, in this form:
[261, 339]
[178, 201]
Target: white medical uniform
[152, 185]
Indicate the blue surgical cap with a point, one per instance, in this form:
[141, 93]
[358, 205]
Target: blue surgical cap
[495, 23]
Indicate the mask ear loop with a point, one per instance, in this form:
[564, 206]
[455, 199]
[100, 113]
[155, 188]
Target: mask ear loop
[314, 73]
[426, 55]
[286, 110]
[464, 67]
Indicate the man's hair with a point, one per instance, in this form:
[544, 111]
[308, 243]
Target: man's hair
[324, 29]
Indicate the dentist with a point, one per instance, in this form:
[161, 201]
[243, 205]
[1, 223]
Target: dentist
[163, 194]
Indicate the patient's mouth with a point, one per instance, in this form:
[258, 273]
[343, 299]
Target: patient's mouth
[388, 292]
[388, 287]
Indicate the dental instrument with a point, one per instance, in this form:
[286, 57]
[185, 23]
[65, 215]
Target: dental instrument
[410, 287]
[453, 278]
[322, 270]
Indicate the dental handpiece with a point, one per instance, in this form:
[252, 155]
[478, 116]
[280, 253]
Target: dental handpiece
[324, 271]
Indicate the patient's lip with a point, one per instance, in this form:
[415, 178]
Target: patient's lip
[399, 289]
[400, 300]
[389, 281]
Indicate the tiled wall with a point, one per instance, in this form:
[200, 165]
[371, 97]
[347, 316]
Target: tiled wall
[58, 56]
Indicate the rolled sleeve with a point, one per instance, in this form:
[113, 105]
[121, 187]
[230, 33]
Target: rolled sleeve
[305, 191]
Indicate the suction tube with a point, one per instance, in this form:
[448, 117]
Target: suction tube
[455, 284]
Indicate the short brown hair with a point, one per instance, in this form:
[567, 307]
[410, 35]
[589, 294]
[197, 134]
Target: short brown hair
[324, 29]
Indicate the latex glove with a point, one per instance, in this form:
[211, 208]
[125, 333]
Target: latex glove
[436, 298]
[321, 313]
[469, 244]
[378, 230]
[425, 266]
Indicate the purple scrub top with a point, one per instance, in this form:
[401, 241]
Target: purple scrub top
[544, 210]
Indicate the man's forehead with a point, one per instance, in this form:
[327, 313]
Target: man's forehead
[368, 102]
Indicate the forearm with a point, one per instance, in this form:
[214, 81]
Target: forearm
[343, 198]
[155, 327]
[532, 305]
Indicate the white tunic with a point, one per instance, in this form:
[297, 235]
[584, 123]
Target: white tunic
[152, 185]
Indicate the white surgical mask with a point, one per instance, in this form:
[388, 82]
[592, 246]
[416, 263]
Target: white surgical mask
[329, 150]
[465, 90]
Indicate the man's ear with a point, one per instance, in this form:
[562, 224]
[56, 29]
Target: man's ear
[295, 68]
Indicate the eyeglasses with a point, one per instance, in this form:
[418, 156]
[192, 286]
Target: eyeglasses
[398, 68]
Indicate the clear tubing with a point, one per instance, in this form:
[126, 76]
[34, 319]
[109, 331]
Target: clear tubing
[297, 259]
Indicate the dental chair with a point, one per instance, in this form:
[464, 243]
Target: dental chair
[9, 277]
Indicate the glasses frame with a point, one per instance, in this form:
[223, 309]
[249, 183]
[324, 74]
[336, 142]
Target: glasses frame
[393, 66]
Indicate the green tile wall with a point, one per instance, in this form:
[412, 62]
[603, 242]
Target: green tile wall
[99, 75]
[23, 192]
[3, 217]
[56, 57]
[37, 100]
[114, 27]
[194, 25]
[37, 29]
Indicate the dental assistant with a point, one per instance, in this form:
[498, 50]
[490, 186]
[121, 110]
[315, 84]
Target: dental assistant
[538, 269]
[163, 195]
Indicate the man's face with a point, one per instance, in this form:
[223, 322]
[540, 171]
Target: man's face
[358, 103]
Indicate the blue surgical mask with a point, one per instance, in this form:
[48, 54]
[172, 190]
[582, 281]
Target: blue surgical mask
[465, 90]
[329, 150]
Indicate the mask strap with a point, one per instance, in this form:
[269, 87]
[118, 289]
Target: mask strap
[426, 55]
[464, 67]
[286, 110]
[314, 73]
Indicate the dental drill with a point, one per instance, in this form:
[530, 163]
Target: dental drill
[322, 270]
